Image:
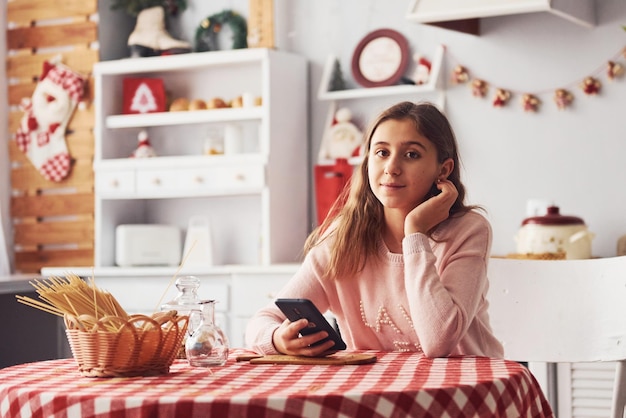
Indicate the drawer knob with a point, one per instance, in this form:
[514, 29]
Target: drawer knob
[115, 183]
[199, 179]
[156, 181]
[240, 177]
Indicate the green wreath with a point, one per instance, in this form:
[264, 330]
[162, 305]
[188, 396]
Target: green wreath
[209, 29]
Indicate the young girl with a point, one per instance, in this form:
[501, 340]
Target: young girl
[403, 264]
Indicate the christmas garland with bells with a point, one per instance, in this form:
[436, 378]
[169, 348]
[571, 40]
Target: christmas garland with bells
[562, 96]
[209, 29]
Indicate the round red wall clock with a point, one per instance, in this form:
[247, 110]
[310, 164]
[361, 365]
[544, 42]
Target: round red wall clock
[381, 58]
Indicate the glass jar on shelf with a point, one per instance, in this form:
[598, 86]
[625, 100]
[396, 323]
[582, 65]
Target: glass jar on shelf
[214, 142]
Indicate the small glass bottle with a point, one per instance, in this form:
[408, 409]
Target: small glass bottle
[206, 343]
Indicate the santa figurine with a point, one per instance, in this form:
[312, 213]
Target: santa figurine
[422, 70]
[144, 149]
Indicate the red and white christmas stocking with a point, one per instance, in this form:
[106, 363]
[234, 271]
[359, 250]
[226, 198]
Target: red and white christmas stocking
[41, 135]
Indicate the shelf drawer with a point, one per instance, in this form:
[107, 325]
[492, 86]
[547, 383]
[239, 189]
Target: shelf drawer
[157, 181]
[115, 182]
[225, 177]
[199, 180]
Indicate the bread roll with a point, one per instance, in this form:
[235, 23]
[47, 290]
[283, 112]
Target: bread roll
[237, 102]
[216, 103]
[197, 104]
[179, 104]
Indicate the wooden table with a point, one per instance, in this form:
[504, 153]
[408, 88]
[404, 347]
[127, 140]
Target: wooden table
[397, 385]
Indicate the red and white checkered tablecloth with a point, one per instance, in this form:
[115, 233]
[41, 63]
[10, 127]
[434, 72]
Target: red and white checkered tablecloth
[397, 385]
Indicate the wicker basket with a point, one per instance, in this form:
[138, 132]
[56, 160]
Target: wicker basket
[139, 346]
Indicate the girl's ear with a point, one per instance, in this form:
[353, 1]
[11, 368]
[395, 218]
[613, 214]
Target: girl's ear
[446, 168]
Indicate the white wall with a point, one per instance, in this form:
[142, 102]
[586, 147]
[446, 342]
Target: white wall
[575, 158]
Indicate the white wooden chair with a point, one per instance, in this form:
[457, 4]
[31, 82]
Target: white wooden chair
[565, 311]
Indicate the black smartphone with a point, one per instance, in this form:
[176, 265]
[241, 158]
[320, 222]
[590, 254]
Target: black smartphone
[295, 309]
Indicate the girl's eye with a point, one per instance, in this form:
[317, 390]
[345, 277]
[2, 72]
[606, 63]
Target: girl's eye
[413, 154]
[382, 153]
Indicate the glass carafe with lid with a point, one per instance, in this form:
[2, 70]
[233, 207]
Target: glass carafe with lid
[187, 298]
[206, 344]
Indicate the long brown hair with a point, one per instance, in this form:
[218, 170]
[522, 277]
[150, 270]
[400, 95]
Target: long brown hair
[357, 226]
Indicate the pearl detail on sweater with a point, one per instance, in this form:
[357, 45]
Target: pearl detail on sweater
[383, 318]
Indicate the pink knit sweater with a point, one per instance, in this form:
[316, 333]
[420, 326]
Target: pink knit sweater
[430, 299]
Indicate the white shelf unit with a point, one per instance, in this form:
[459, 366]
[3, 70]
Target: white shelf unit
[581, 12]
[375, 99]
[256, 200]
[434, 84]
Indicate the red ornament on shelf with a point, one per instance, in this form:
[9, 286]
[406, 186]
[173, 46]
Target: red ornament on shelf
[143, 95]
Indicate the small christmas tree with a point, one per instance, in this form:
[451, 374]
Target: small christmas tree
[336, 80]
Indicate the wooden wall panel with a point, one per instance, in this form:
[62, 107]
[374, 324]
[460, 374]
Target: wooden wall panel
[28, 67]
[27, 180]
[27, 10]
[34, 206]
[47, 36]
[52, 222]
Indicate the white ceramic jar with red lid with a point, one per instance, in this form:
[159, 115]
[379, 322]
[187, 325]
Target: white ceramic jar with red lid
[554, 233]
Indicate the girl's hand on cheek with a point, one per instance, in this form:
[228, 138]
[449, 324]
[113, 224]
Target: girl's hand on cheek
[433, 211]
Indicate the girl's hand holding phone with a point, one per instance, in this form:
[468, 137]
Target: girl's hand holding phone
[287, 340]
[433, 211]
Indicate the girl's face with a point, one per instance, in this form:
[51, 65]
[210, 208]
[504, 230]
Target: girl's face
[402, 165]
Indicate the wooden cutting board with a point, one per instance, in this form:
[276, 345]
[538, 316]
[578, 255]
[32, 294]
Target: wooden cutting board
[335, 359]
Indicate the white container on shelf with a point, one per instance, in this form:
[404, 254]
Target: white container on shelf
[198, 251]
[233, 139]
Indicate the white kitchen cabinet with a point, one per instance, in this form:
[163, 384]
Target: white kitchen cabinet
[255, 200]
[254, 290]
